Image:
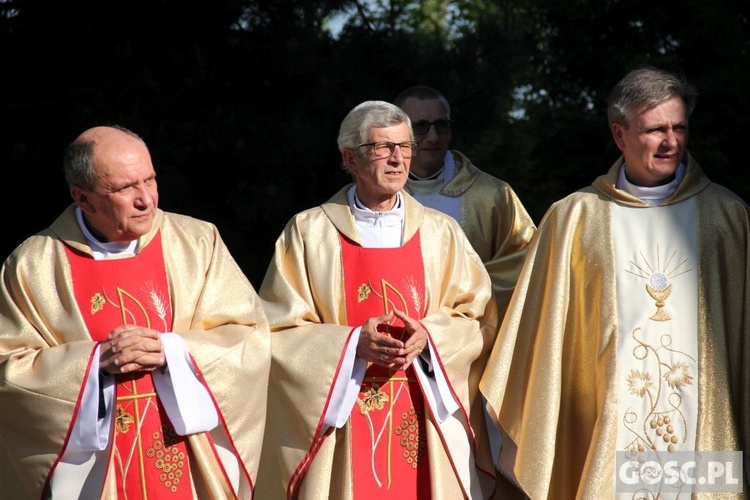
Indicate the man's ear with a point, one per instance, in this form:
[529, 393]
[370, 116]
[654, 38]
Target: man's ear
[81, 198]
[617, 133]
[349, 162]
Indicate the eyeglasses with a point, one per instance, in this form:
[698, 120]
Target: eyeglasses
[423, 127]
[382, 150]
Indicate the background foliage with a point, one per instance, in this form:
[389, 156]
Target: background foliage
[240, 101]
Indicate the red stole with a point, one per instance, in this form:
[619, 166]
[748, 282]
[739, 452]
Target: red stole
[149, 457]
[389, 442]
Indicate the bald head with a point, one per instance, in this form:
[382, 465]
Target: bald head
[112, 180]
[78, 160]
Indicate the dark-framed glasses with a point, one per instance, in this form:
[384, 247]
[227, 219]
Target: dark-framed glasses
[423, 127]
[382, 150]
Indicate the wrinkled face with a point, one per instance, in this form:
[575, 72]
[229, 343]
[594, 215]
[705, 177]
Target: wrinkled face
[378, 180]
[654, 143]
[432, 144]
[122, 205]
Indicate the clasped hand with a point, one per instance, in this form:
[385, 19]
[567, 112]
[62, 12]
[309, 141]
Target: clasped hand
[130, 348]
[386, 351]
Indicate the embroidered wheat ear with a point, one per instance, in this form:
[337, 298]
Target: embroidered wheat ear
[416, 297]
[157, 303]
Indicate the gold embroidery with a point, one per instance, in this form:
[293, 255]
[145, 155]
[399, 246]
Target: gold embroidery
[659, 295]
[664, 424]
[417, 296]
[374, 399]
[659, 285]
[156, 301]
[123, 420]
[639, 382]
[678, 375]
[363, 292]
[169, 459]
[97, 303]
[413, 438]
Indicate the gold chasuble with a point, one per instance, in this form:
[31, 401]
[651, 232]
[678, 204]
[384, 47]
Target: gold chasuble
[148, 454]
[388, 426]
[57, 303]
[627, 333]
[320, 286]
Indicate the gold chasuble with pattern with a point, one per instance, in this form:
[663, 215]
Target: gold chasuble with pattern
[388, 426]
[148, 454]
[626, 337]
[56, 305]
[330, 436]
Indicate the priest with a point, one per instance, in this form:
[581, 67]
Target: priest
[134, 354]
[379, 337]
[627, 335]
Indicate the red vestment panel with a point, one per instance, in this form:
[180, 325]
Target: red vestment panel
[389, 442]
[150, 459]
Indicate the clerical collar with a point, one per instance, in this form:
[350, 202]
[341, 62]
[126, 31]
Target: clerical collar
[436, 175]
[364, 215]
[655, 195]
[102, 249]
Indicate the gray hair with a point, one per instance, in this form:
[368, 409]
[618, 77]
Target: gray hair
[356, 127]
[78, 160]
[645, 88]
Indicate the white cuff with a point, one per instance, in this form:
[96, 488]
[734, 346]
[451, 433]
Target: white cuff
[346, 385]
[186, 401]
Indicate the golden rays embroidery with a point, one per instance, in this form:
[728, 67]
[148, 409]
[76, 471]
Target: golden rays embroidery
[659, 280]
[664, 425]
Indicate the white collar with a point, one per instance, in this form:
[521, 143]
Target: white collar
[364, 215]
[100, 249]
[655, 195]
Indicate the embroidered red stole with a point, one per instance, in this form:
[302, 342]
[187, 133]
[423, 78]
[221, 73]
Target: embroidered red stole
[150, 459]
[389, 442]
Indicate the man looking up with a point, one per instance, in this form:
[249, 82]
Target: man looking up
[489, 212]
[125, 334]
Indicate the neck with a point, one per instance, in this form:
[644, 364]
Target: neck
[96, 234]
[422, 171]
[377, 204]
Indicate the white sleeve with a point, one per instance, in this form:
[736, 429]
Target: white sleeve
[347, 384]
[436, 389]
[91, 433]
[186, 400]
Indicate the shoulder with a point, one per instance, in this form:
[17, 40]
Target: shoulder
[306, 218]
[571, 207]
[481, 179]
[306, 225]
[725, 196]
[186, 225]
[45, 243]
[719, 202]
[434, 221]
